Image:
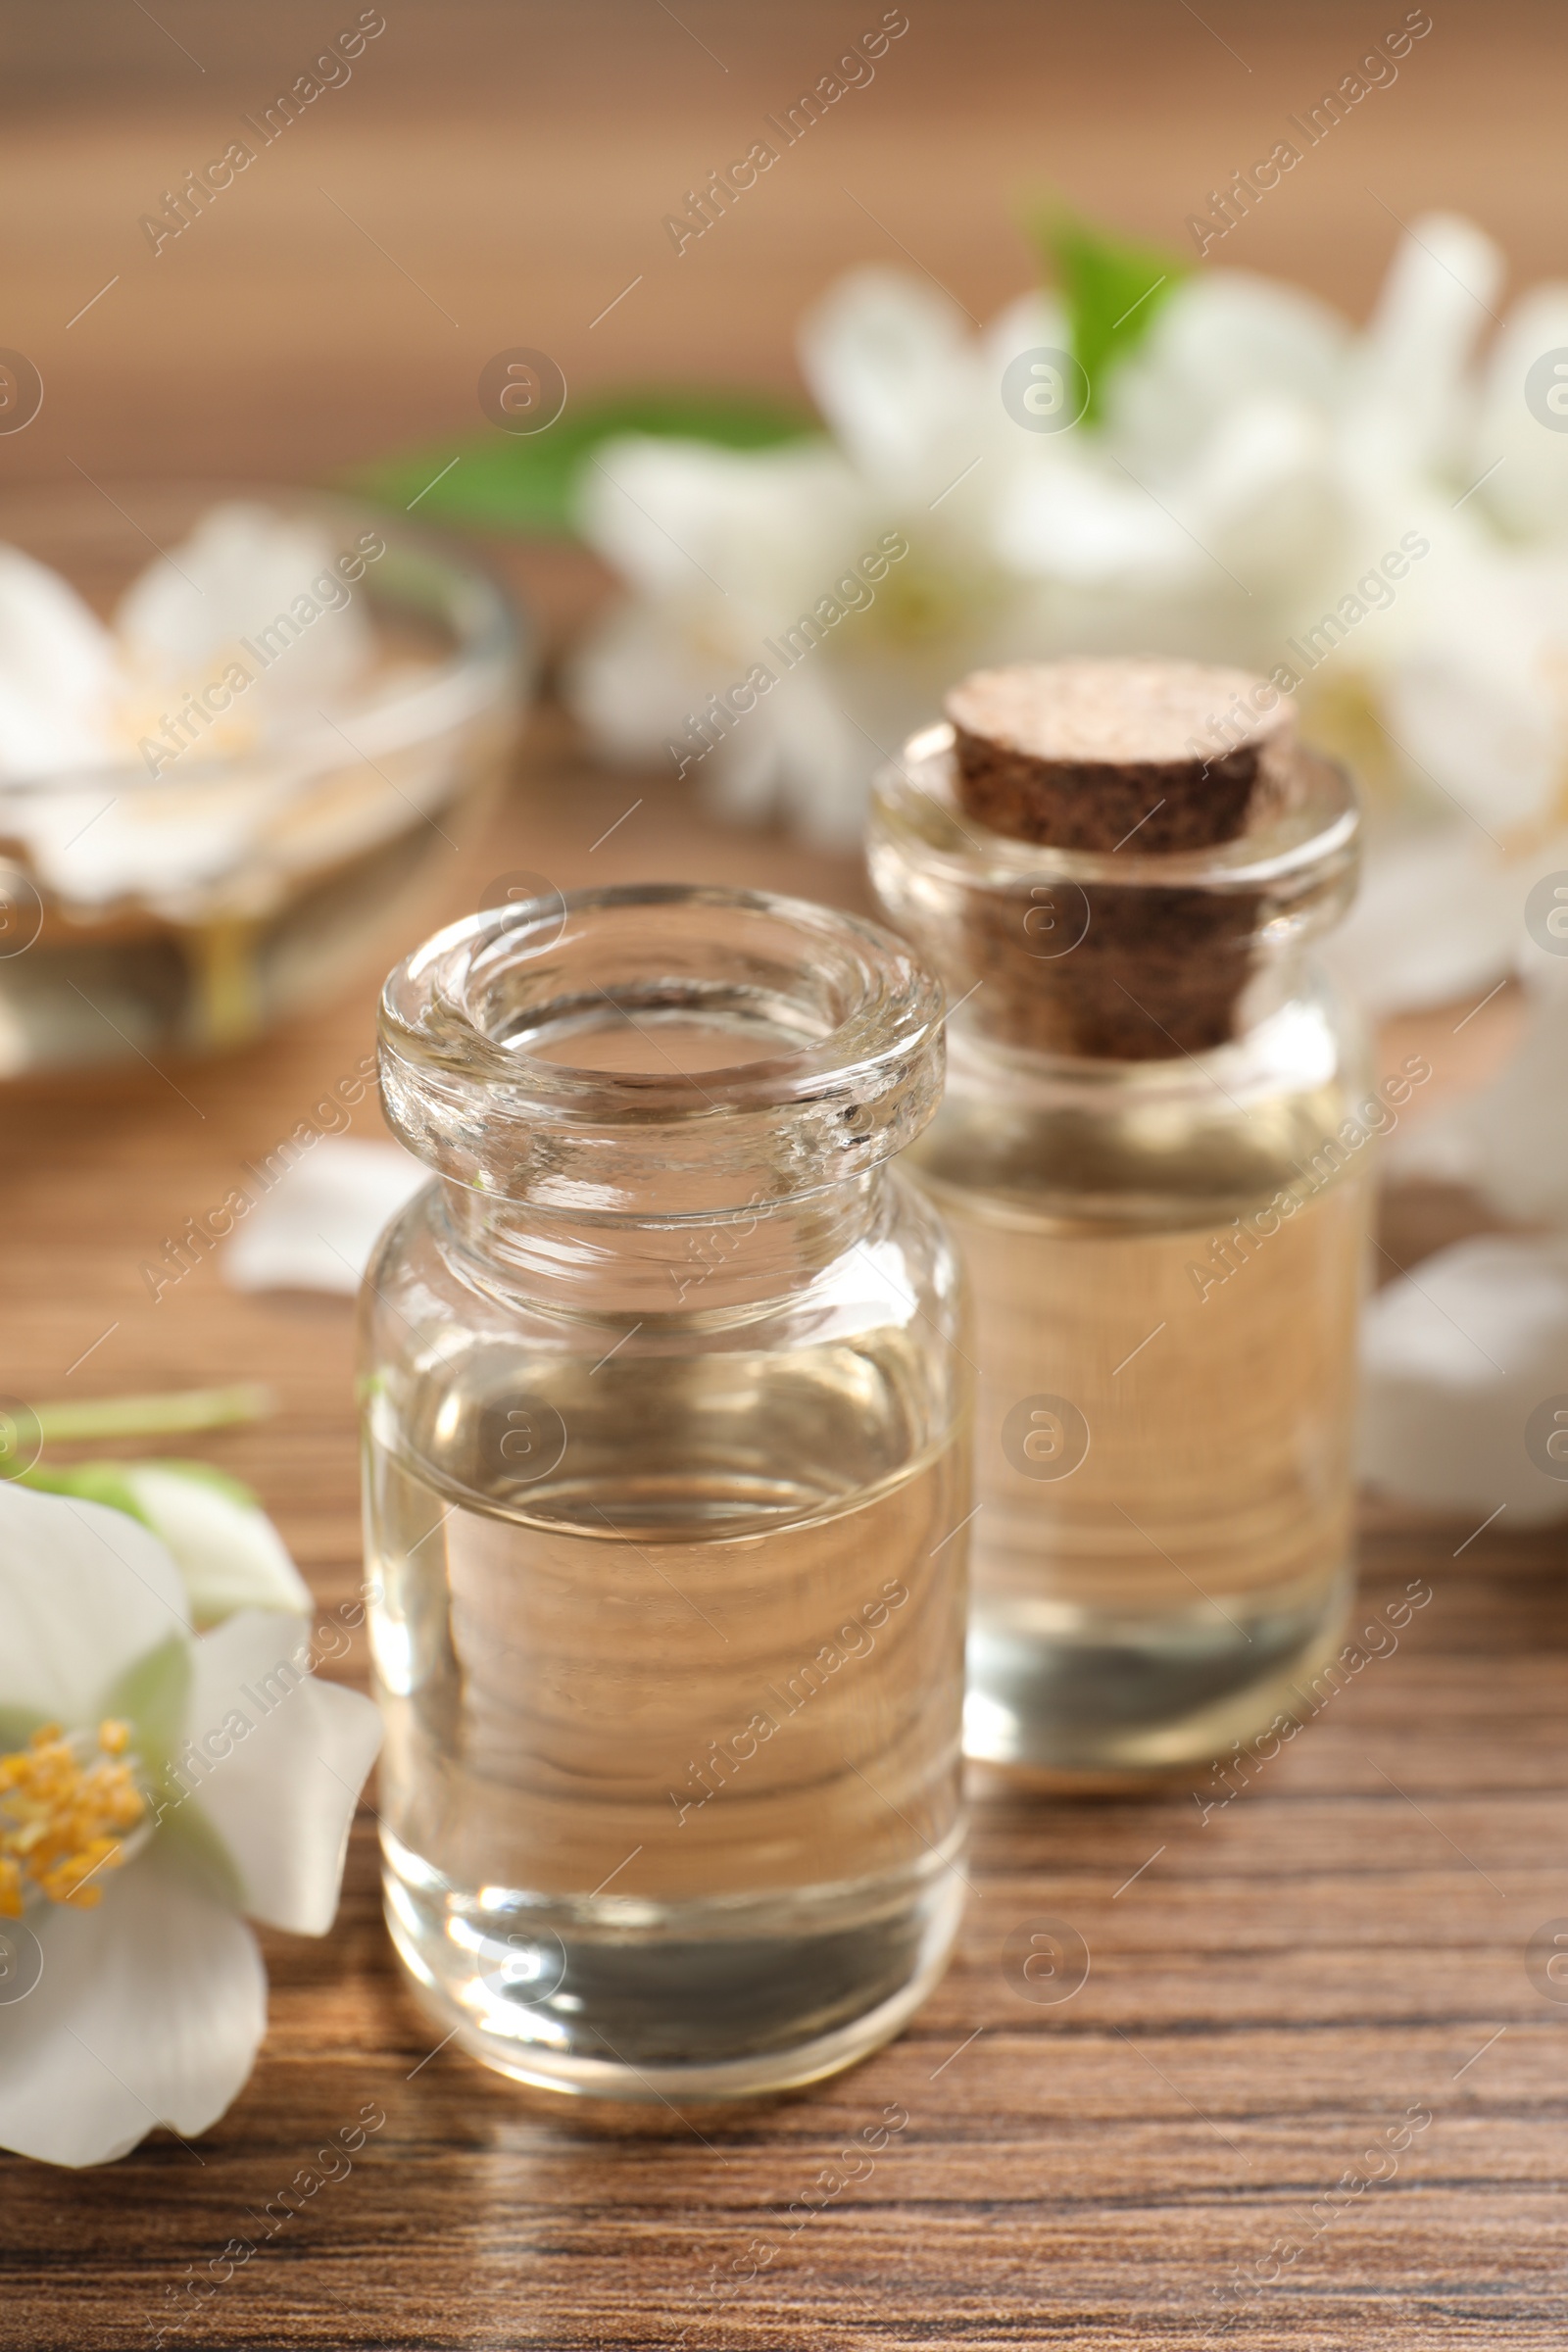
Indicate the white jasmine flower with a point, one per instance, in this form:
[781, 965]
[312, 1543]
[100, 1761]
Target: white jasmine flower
[60, 677]
[1256, 459]
[94, 721]
[1225, 339]
[153, 1789]
[191, 610]
[898, 376]
[228, 1552]
[727, 553]
[1464, 1364]
[1410, 408]
[1527, 464]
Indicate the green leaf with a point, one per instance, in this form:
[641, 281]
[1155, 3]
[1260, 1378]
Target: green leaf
[89, 1482]
[529, 482]
[113, 1483]
[1112, 291]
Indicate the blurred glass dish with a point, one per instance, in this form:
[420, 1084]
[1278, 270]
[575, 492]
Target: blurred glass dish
[240, 735]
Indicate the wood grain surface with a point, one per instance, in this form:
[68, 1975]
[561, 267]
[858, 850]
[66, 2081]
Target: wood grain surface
[495, 173]
[1273, 1988]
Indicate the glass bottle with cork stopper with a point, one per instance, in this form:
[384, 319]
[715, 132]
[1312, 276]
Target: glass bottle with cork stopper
[1150, 1157]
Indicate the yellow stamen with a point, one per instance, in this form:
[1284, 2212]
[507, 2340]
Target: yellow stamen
[65, 1809]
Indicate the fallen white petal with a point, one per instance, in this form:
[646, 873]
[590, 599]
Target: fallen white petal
[282, 1796]
[1439, 916]
[227, 1548]
[1455, 1357]
[150, 2010]
[84, 1592]
[1508, 1140]
[1472, 695]
[315, 1229]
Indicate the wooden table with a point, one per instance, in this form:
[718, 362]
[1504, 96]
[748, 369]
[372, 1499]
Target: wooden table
[1271, 1987]
[497, 172]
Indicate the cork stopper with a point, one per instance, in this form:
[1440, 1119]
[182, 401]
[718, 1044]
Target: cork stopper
[1085, 755]
[1145, 757]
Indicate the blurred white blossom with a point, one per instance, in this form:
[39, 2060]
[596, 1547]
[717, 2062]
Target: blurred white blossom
[1256, 461]
[1465, 1358]
[1465, 1382]
[220, 648]
[317, 1229]
[1507, 1141]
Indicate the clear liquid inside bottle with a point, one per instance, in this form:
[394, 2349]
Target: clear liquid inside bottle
[664, 1520]
[1164, 1240]
[1165, 1413]
[685, 1740]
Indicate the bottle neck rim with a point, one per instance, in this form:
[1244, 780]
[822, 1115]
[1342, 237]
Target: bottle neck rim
[488, 1043]
[1312, 829]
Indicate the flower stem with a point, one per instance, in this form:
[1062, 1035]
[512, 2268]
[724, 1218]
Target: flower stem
[153, 1416]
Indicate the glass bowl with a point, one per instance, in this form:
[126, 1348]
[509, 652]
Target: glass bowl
[188, 911]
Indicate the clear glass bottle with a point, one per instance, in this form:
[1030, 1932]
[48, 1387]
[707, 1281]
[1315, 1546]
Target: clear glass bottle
[1163, 1230]
[666, 1471]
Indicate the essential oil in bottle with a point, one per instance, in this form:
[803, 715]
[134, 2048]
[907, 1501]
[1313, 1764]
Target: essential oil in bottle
[1150, 1157]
